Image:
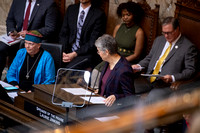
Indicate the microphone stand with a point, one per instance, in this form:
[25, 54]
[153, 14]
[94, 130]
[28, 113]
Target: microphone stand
[93, 87]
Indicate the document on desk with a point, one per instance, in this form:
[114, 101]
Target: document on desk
[78, 91]
[108, 118]
[12, 94]
[11, 90]
[95, 99]
[7, 86]
[152, 75]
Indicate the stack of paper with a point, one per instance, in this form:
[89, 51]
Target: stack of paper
[8, 40]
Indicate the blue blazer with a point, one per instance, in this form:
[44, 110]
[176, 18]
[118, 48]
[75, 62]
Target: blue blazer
[120, 81]
[45, 71]
[43, 18]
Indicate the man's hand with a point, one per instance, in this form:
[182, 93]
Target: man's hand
[69, 57]
[136, 68]
[167, 78]
[23, 33]
[110, 100]
[14, 35]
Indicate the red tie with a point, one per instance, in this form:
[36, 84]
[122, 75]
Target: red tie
[25, 24]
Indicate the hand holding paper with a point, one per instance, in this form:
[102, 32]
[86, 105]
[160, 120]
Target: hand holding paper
[152, 75]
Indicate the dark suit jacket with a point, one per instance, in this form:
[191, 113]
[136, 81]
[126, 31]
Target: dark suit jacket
[43, 18]
[93, 27]
[181, 61]
[120, 81]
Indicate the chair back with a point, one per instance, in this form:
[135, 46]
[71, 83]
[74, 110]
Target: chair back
[188, 14]
[54, 49]
[149, 24]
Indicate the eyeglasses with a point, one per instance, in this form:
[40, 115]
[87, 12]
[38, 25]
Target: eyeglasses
[168, 33]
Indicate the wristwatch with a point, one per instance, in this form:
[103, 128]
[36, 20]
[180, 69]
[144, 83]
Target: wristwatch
[12, 32]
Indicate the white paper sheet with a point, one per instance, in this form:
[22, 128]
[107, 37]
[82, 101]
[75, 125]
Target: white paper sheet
[12, 94]
[4, 84]
[95, 99]
[77, 91]
[109, 118]
[152, 75]
[8, 40]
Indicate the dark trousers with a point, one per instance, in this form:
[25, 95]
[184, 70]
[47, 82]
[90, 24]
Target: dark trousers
[156, 91]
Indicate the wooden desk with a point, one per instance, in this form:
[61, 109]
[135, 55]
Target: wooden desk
[39, 103]
[16, 120]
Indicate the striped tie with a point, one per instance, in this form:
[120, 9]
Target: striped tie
[160, 62]
[76, 45]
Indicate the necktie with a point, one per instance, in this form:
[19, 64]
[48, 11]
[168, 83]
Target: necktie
[76, 45]
[160, 62]
[25, 23]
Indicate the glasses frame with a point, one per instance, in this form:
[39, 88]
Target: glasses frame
[168, 33]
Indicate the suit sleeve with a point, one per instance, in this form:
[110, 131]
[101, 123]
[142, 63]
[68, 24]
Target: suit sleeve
[65, 31]
[49, 71]
[51, 19]
[13, 72]
[10, 21]
[127, 84]
[145, 62]
[189, 66]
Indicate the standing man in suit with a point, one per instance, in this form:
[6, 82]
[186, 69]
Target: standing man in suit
[83, 24]
[172, 56]
[26, 15]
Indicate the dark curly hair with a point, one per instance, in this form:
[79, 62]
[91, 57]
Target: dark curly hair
[133, 8]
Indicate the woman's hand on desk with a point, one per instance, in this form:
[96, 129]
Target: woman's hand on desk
[110, 100]
[96, 91]
[17, 86]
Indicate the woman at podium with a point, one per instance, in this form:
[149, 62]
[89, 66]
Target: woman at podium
[31, 65]
[116, 80]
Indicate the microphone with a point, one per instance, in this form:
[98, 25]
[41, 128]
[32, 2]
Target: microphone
[78, 63]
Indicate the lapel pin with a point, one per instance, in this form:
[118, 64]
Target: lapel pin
[38, 4]
[176, 47]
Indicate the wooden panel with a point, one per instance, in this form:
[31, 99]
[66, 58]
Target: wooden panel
[61, 7]
[188, 13]
[150, 24]
[103, 4]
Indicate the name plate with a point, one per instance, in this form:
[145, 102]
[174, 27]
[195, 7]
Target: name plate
[44, 114]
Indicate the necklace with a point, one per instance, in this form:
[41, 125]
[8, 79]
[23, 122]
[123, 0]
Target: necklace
[27, 74]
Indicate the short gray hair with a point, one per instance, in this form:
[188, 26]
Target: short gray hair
[107, 42]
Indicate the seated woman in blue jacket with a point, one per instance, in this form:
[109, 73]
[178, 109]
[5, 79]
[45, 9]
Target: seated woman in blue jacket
[116, 80]
[32, 64]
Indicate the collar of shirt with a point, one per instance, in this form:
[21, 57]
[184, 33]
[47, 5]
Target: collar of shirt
[86, 10]
[174, 42]
[167, 44]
